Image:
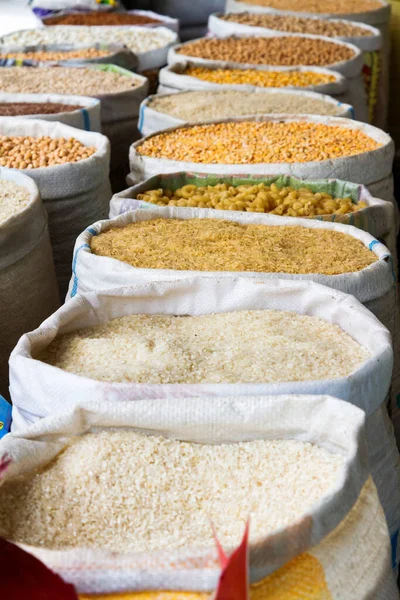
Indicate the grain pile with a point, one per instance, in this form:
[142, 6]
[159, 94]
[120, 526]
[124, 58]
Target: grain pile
[16, 109]
[228, 246]
[251, 142]
[82, 81]
[101, 18]
[13, 199]
[138, 40]
[260, 198]
[123, 491]
[203, 106]
[292, 24]
[283, 51]
[268, 78]
[217, 348]
[43, 55]
[23, 152]
[335, 7]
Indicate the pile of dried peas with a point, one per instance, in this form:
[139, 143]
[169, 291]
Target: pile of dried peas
[292, 24]
[43, 55]
[230, 246]
[257, 78]
[252, 142]
[282, 50]
[22, 152]
[321, 6]
[258, 198]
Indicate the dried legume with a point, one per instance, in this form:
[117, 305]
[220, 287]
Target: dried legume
[64, 80]
[291, 24]
[284, 50]
[15, 109]
[20, 152]
[101, 18]
[123, 490]
[56, 54]
[137, 39]
[13, 199]
[335, 7]
[217, 348]
[271, 78]
[258, 198]
[252, 142]
[229, 246]
[204, 106]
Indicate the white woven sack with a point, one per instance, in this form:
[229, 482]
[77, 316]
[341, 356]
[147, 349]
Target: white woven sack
[39, 390]
[188, 13]
[373, 286]
[151, 59]
[73, 193]
[66, 4]
[347, 521]
[350, 69]
[172, 78]
[28, 287]
[87, 117]
[152, 121]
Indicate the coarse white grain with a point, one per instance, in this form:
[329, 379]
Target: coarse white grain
[201, 106]
[64, 80]
[13, 199]
[123, 490]
[239, 347]
[137, 39]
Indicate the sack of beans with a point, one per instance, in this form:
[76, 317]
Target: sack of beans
[81, 112]
[247, 455]
[120, 92]
[143, 18]
[332, 504]
[27, 279]
[70, 168]
[283, 50]
[67, 54]
[370, 12]
[368, 39]
[149, 45]
[159, 112]
[328, 343]
[215, 75]
[315, 147]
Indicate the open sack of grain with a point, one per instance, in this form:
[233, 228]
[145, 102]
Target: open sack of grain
[68, 54]
[142, 18]
[170, 110]
[367, 38]
[120, 92]
[334, 147]
[370, 12]
[304, 523]
[27, 279]
[82, 112]
[149, 45]
[330, 344]
[213, 75]
[283, 50]
[70, 168]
